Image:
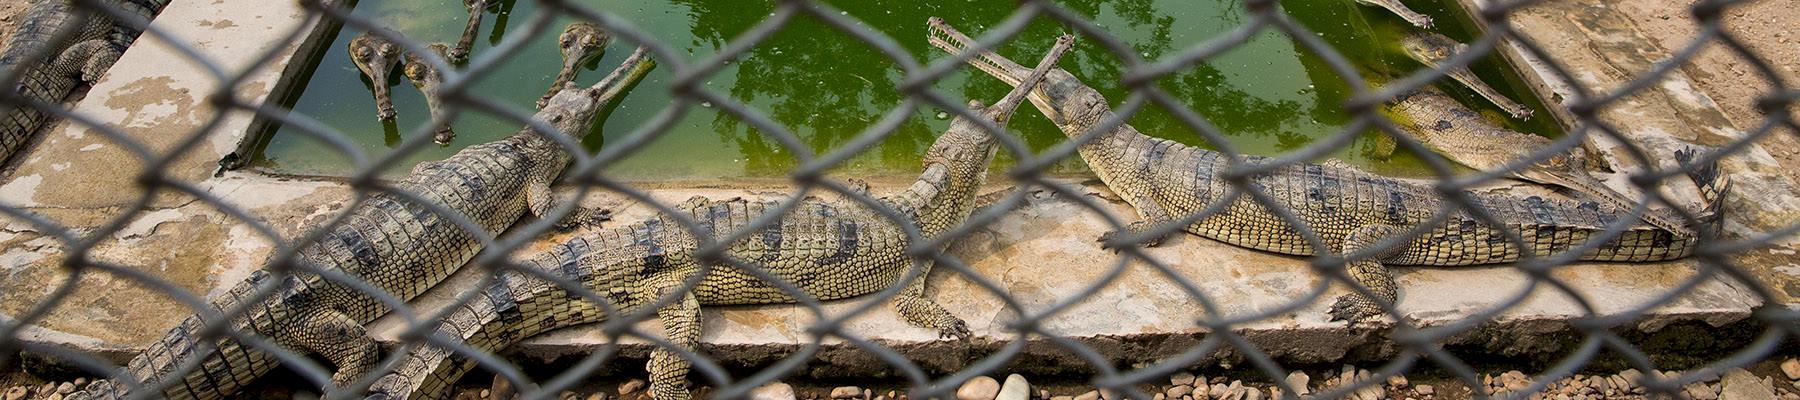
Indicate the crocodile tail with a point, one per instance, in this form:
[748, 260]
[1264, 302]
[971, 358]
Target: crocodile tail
[227, 367]
[1713, 186]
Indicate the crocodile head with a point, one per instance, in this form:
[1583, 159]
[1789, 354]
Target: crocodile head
[1430, 48]
[571, 110]
[1074, 106]
[427, 79]
[376, 56]
[581, 42]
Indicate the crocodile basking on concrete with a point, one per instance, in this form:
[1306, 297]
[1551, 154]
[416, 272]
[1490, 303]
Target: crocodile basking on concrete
[581, 42]
[1445, 125]
[47, 69]
[1433, 49]
[427, 79]
[829, 250]
[375, 56]
[1349, 210]
[1395, 6]
[391, 243]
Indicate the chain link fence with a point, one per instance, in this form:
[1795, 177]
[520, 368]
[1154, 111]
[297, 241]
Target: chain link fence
[235, 319]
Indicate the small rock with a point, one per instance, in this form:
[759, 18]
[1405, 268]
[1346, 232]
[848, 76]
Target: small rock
[1298, 381]
[598, 396]
[1425, 390]
[485, 393]
[1251, 393]
[17, 393]
[1791, 368]
[1066, 397]
[463, 395]
[80, 381]
[1090, 395]
[55, 396]
[851, 392]
[1741, 385]
[1235, 391]
[1699, 391]
[1043, 394]
[1397, 381]
[1217, 391]
[1108, 394]
[501, 389]
[1181, 378]
[773, 391]
[1632, 377]
[631, 386]
[1515, 381]
[567, 395]
[1618, 383]
[1015, 388]
[979, 388]
[1175, 392]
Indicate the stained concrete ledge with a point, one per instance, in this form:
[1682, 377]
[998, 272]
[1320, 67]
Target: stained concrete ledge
[1040, 254]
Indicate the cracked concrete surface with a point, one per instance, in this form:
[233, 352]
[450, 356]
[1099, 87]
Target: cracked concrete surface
[1041, 254]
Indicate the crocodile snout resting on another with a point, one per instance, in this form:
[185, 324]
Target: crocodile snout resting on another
[397, 244]
[1433, 49]
[581, 42]
[1457, 132]
[1350, 211]
[427, 79]
[375, 56]
[466, 42]
[827, 250]
[1395, 6]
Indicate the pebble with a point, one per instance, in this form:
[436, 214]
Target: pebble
[65, 388]
[1015, 388]
[485, 393]
[1175, 392]
[851, 392]
[631, 386]
[979, 388]
[55, 396]
[501, 388]
[1741, 385]
[1398, 381]
[1252, 394]
[568, 395]
[1632, 377]
[773, 391]
[1181, 378]
[1515, 381]
[80, 381]
[1299, 381]
[1791, 368]
[17, 393]
[1235, 391]
[1618, 383]
[1700, 391]
[1425, 390]
[596, 396]
[1090, 395]
[1217, 391]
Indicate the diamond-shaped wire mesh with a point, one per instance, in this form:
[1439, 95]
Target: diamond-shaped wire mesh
[316, 290]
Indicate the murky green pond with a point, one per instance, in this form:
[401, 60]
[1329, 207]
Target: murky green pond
[1269, 95]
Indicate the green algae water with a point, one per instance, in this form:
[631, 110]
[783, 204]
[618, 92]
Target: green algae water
[1269, 95]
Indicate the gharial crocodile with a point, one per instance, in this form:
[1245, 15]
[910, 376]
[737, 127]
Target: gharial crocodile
[581, 42]
[390, 242]
[427, 79]
[1433, 49]
[1445, 125]
[829, 251]
[1395, 6]
[1349, 210]
[466, 42]
[46, 68]
[375, 56]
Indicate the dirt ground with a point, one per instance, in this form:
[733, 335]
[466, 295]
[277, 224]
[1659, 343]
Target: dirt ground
[11, 12]
[1767, 27]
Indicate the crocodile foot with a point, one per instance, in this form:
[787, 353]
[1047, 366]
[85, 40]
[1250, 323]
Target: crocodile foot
[583, 217]
[1352, 308]
[959, 331]
[1107, 238]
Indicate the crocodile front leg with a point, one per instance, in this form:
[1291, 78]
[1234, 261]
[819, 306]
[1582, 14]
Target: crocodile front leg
[338, 338]
[91, 57]
[1152, 214]
[916, 309]
[540, 200]
[681, 325]
[1368, 272]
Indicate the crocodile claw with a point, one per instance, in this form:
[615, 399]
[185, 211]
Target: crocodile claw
[1107, 237]
[1348, 308]
[583, 217]
[959, 331]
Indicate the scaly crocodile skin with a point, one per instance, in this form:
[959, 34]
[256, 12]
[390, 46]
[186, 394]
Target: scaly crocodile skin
[1460, 134]
[1395, 6]
[1347, 208]
[388, 242]
[830, 251]
[375, 56]
[48, 69]
[1433, 49]
[464, 43]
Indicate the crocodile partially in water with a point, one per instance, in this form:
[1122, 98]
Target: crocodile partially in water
[1395, 6]
[827, 250]
[376, 57]
[394, 243]
[45, 68]
[1433, 49]
[581, 42]
[427, 79]
[466, 42]
[1370, 220]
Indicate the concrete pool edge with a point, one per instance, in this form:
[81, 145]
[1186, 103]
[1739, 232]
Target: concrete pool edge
[286, 204]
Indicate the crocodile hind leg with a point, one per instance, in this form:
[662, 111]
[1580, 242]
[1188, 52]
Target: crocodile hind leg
[1152, 214]
[91, 57]
[340, 339]
[1368, 272]
[681, 325]
[916, 309]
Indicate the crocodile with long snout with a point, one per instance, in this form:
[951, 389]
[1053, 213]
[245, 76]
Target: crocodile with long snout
[1433, 49]
[427, 79]
[581, 42]
[376, 57]
[1353, 214]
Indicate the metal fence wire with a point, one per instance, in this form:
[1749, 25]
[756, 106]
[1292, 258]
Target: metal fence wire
[241, 335]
